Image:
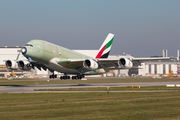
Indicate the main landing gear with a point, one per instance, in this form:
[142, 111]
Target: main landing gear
[65, 77]
[77, 77]
[53, 76]
[73, 77]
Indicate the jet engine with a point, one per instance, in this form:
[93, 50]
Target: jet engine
[125, 62]
[11, 64]
[24, 65]
[90, 64]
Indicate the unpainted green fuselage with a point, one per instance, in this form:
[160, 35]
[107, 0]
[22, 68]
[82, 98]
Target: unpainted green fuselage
[55, 57]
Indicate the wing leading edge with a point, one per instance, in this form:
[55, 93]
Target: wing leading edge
[106, 63]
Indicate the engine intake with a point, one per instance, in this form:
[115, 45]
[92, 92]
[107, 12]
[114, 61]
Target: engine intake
[11, 64]
[90, 64]
[125, 62]
[24, 65]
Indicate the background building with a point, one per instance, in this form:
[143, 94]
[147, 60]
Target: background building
[159, 68]
[148, 68]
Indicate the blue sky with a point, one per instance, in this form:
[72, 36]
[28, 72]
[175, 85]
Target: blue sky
[142, 28]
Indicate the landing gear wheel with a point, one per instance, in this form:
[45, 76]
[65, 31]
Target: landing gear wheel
[52, 76]
[64, 77]
[77, 77]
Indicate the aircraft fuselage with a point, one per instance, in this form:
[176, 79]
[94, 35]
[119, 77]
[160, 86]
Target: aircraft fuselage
[49, 54]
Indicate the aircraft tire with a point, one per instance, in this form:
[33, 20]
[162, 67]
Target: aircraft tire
[55, 76]
[74, 77]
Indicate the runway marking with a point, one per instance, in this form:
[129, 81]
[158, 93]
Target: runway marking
[30, 88]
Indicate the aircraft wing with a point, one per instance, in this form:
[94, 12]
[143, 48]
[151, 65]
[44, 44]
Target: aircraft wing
[119, 61]
[114, 68]
[139, 60]
[108, 62]
[91, 64]
[71, 63]
[155, 58]
[102, 62]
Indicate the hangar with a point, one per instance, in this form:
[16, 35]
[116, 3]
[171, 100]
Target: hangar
[148, 68]
[159, 68]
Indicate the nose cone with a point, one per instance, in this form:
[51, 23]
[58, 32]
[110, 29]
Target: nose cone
[24, 50]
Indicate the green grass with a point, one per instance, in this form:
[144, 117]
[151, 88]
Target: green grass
[81, 106]
[142, 88]
[88, 106]
[89, 81]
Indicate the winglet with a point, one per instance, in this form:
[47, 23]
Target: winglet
[105, 47]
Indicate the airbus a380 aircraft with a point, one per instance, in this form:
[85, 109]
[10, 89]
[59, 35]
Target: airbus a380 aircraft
[45, 55]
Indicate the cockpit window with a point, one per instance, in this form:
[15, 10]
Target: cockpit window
[28, 45]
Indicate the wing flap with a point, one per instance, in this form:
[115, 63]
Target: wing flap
[78, 63]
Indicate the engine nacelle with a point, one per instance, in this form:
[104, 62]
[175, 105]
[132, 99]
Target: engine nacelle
[24, 65]
[11, 64]
[125, 62]
[90, 64]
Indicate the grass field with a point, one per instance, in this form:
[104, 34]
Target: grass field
[161, 105]
[87, 106]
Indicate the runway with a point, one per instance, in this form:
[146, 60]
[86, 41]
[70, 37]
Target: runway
[30, 88]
